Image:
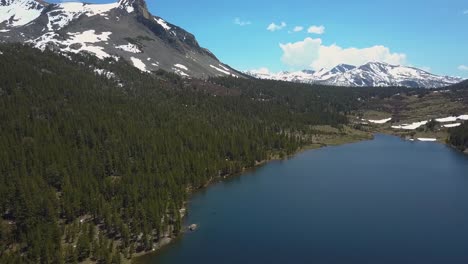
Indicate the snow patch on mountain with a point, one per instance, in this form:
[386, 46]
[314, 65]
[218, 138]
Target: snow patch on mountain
[162, 23]
[79, 41]
[452, 125]
[412, 126]
[139, 64]
[67, 12]
[220, 70]
[370, 74]
[129, 48]
[180, 66]
[20, 12]
[180, 72]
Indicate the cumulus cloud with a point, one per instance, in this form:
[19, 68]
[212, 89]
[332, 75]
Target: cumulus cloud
[262, 70]
[316, 30]
[312, 53]
[463, 68]
[274, 27]
[298, 29]
[241, 22]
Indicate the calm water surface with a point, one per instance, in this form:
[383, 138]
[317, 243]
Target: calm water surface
[381, 201]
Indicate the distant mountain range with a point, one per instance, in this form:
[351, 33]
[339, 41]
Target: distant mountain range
[123, 29]
[370, 74]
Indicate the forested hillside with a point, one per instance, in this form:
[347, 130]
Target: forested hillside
[98, 168]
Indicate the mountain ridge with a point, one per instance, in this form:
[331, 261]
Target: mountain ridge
[377, 74]
[124, 29]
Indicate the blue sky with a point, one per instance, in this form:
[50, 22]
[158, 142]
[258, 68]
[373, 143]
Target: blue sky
[429, 34]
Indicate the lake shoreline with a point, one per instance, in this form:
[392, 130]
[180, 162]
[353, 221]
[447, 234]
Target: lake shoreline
[337, 140]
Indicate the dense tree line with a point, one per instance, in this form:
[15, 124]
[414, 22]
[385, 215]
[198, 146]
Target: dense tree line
[458, 137]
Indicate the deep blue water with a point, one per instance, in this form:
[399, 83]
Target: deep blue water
[381, 201]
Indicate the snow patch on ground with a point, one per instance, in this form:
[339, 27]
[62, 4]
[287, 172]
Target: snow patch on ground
[447, 119]
[139, 64]
[411, 126]
[220, 70]
[4, 30]
[427, 139]
[224, 68]
[89, 36]
[129, 48]
[162, 23]
[180, 66]
[383, 121]
[180, 72]
[452, 119]
[452, 125]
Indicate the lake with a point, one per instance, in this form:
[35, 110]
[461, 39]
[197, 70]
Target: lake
[380, 201]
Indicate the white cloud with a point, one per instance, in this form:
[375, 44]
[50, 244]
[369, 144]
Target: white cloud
[298, 29]
[241, 23]
[262, 70]
[274, 27]
[463, 68]
[316, 30]
[312, 53]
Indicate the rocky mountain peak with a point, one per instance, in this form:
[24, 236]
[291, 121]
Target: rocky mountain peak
[123, 29]
[138, 5]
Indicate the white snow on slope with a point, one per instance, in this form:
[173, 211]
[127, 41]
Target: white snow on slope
[220, 70]
[222, 66]
[427, 139]
[89, 36]
[22, 12]
[447, 119]
[66, 12]
[452, 125]
[129, 48]
[180, 66]
[383, 121]
[162, 23]
[83, 38]
[139, 64]
[452, 119]
[411, 126]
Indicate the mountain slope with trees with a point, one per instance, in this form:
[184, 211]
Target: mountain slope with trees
[96, 166]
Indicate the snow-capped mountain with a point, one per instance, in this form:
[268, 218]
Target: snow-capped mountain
[121, 29]
[369, 74]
